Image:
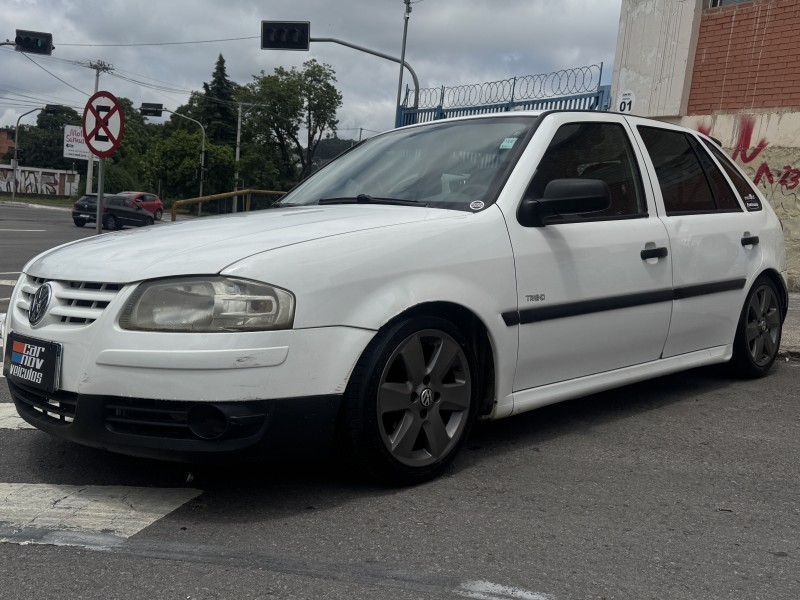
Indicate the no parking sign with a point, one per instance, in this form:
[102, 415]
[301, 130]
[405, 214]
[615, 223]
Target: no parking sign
[103, 124]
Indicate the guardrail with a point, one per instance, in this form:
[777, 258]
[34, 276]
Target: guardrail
[246, 193]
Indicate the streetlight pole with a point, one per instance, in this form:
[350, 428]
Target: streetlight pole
[238, 144]
[16, 148]
[403, 51]
[202, 151]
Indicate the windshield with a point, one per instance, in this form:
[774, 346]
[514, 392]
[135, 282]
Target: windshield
[456, 165]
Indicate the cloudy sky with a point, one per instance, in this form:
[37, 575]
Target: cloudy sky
[450, 42]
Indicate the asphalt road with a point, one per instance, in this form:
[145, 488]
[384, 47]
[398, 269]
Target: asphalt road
[685, 487]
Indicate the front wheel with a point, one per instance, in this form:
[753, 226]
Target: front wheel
[758, 335]
[411, 401]
[110, 223]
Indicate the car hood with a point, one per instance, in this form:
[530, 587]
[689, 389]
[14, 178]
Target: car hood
[208, 245]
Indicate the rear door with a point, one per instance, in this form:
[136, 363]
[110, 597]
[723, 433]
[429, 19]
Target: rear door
[714, 244]
[594, 290]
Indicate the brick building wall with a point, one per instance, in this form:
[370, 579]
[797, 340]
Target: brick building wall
[747, 58]
[6, 140]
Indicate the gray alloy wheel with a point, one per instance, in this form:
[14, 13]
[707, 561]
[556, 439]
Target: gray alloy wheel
[411, 401]
[159, 214]
[759, 334]
[110, 222]
[424, 398]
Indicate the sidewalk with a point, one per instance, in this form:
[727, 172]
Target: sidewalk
[790, 342]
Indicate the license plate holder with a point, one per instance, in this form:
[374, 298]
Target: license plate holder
[32, 362]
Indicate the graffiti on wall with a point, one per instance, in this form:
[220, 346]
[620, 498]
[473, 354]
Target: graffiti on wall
[773, 170]
[32, 181]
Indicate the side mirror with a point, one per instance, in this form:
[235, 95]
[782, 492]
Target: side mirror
[564, 197]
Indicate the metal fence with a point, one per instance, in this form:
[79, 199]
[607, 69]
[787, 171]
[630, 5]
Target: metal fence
[574, 89]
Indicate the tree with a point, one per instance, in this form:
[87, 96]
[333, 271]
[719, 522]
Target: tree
[287, 102]
[42, 146]
[218, 111]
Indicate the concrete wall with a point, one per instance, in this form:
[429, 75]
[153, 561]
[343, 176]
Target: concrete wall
[655, 55]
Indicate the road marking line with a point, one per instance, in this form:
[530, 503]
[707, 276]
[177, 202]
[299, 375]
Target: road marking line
[9, 419]
[25, 230]
[120, 510]
[8, 282]
[486, 590]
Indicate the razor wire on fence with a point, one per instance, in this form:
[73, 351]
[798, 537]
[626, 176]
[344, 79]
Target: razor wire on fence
[578, 80]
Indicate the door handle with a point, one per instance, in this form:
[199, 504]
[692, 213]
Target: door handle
[653, 253]
[750, 241]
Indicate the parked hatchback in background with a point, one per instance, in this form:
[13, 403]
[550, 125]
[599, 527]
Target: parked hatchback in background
[469, 268]
[118, 211]
[150, 202]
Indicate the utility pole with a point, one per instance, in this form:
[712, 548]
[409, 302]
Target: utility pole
[98, 66]
[238, 144]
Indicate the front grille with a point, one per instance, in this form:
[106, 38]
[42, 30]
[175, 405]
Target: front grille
[156, 418]
[74, 302]
[56, 407]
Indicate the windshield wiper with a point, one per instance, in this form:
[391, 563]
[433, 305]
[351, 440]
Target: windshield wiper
[367, 199]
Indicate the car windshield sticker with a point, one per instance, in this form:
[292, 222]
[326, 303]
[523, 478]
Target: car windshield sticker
[508, 143]
[476, 205]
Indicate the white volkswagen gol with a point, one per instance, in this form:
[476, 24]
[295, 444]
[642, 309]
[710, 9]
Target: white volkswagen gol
[478, 267]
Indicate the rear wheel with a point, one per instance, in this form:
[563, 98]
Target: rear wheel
[79, 222]
[159, 214]
[758, 335]
[411, 401]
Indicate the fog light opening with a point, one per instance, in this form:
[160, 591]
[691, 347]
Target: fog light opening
[207, 422]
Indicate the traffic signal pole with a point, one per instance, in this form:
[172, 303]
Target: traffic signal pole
[16, 149]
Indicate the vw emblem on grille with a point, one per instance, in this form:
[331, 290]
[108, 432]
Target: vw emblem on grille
[39, 304]
[426, 397]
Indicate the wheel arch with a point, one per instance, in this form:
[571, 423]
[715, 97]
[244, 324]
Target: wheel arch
[476, 332]
[783, 291]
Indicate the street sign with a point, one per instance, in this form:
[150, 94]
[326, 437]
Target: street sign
[74, 144]
[149, 109]
[103, 124]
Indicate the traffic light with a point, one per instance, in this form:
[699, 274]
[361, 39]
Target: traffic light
[151, 110]
[285, 35]
[33, 42]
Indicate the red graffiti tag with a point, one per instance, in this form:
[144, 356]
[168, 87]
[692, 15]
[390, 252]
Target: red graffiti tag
[746, 126]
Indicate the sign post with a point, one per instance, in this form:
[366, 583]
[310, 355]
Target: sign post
[103, 124]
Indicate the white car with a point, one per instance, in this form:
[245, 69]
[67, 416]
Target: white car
[460, 269]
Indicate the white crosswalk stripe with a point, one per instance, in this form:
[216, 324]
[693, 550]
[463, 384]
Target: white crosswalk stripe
[9, 419]
[120, 510]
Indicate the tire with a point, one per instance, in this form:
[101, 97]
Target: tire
[79, 222]
[411, 401]
[159, 214]
[149, 221]
[758, 334]
[110, 222]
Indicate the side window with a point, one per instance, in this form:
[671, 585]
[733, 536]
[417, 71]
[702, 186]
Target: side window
[683, 181]
[594, 151]
[723, 194]
[741, 184]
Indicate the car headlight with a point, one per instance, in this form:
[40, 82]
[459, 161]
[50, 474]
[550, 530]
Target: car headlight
[208, 304]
